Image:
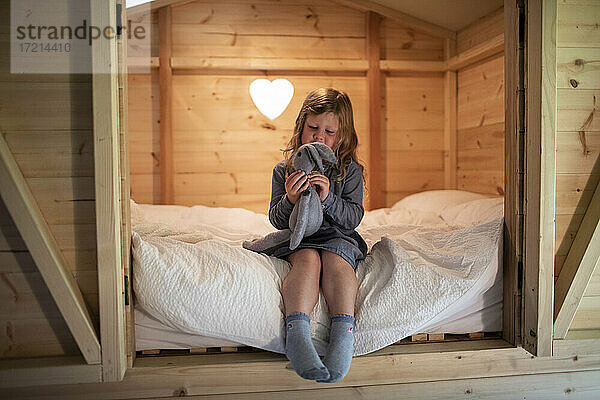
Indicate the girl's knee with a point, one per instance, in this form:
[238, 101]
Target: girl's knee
[307, 259]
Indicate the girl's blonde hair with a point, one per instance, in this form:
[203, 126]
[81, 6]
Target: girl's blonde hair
[328, 100]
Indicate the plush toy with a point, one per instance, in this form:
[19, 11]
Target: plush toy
[307, 215]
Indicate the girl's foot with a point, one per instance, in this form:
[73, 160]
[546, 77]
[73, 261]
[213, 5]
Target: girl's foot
[300, 350]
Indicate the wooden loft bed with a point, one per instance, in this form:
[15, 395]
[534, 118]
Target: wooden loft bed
[568, 359]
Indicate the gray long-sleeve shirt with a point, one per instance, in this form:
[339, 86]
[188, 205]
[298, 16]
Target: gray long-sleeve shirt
[342, 212]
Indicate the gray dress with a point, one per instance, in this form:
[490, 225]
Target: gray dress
[342, 212]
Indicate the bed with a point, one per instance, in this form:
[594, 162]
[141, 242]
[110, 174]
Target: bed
[434, 266]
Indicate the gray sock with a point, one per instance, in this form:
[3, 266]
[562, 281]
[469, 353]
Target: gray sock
[341, 347]
[300, 350]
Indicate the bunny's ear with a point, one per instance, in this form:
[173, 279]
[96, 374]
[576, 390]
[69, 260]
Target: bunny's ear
[325, 152]
[316, 157]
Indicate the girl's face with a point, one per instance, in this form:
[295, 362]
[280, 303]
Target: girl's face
[320, 128]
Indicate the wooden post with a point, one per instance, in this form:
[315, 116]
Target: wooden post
[166, 88]
[450, 115]
[376, 164]
[108, 187]
[513, 199]
[538, 277]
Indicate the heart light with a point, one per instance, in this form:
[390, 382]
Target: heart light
[271, 98]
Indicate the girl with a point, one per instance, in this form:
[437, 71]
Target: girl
[333, 251]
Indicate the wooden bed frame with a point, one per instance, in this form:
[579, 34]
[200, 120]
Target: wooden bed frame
[534, 348]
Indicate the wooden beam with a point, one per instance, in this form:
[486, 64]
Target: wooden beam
[404, 19]
[450, 117]
[578, 268]
[476, 53]
[43, 371]
[266, 64]
[377, 166]
[166, 92]
[513, 199]
[36, 233]
[107, 181]
[412, 66]
[124, 175]
[538, 277]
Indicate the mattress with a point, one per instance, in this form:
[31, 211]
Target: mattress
[424, 215]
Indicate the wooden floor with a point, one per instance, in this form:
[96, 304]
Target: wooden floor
[459, 370]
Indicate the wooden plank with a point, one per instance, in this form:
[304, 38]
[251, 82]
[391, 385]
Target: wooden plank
[124, 175]
[268, 19]
[540, 176]
[43, 247]
[450, 132]
[42, 337]
[578, 268]
[576, 68]
[581, 384]
[400, 43]
[410, 65]
[268, 64]
[578, 24]
[400, 17]
[228, 374]
[377, 167]
[587, 316]
[107, 182]
[34, 372]
[574, 192]
[166, 104]
[577, 152]
[484, 28]
[481, 181]
[481, 95]
[477, 53]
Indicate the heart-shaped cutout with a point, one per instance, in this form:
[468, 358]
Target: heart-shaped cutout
[271, 98]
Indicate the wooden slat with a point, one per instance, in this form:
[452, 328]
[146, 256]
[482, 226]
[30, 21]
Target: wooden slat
[485, 28]
[399, 42]
[477, 53]
[166, 93]
[540, 178]
[108, 187]
[410, 65]
[587, 316]
[577, 68]
[578, 24]
[43, 247]
[268, 64]
[450, 124]
[376, 165]
[578, 268]
[34, 372]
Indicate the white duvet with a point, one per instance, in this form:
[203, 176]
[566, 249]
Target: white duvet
[433, 255]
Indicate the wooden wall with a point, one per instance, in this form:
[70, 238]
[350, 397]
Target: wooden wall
[578, 136]
[217, 130]
[480, 121]
[47, 122]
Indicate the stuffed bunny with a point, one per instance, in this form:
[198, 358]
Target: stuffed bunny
[307, 215]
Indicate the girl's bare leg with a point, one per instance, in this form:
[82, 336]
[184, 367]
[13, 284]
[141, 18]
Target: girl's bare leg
[339, 288]
[339, 284]
[300, 291]
[300, 288]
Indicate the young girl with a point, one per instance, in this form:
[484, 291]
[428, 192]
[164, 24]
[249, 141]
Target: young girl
[333, 251]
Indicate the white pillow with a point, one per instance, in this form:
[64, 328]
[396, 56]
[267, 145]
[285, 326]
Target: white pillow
[437, 201]
[474, 212]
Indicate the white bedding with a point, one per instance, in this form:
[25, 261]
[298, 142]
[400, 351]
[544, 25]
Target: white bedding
[433, 267]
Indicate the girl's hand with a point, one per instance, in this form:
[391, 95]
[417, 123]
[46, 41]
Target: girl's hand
[295, 184]
[321, 184]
